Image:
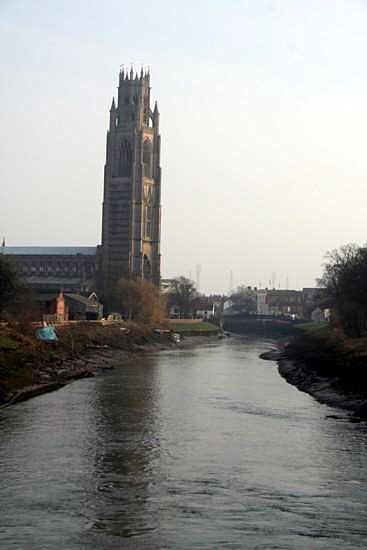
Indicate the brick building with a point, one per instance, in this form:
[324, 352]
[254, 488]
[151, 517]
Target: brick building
[285, 303]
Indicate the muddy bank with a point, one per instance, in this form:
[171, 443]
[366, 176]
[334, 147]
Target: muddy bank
[331, 391]
[334, 391]
[28, 368]
[55, 376]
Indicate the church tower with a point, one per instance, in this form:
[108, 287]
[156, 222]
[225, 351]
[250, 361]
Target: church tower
[132, 186]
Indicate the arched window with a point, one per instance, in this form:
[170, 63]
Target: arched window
[125, 159]
[148, 219]
[147, 268]
[148, 158]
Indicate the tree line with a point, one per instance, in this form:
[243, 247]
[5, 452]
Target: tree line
[343, 289]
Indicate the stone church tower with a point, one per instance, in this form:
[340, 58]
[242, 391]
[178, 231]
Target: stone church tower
[132, 186]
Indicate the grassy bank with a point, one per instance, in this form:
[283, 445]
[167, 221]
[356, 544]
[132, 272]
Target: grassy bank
[190, 327]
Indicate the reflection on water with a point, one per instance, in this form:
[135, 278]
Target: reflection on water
[127, 449]
[203, 448]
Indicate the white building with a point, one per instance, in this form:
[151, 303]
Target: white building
[262, 306]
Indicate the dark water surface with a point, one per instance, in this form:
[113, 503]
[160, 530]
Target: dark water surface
[201, 448]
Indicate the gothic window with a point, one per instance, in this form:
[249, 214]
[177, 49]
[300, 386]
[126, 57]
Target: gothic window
[147, 268]
[148, 221]
[148, 158]
[125, 159]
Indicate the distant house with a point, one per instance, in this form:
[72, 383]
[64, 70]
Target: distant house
[262, 305]
[313, 299]
[316, 304]
[68, 307]
[204, 309]
[166, 285]
[227, 305]
[285, 303]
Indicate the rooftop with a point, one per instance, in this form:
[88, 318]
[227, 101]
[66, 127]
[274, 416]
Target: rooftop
[49, 250]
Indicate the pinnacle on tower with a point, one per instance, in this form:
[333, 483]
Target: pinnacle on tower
[113, 106]
[131, 75]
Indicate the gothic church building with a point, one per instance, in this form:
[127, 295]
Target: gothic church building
[132, 185]
[131, 216]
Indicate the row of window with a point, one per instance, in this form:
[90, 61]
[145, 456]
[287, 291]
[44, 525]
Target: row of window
[58, 268]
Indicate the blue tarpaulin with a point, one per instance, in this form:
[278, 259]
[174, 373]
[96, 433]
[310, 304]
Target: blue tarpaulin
[46, 334]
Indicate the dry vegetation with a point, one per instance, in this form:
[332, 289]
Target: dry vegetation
[141, 301]
[328, 352]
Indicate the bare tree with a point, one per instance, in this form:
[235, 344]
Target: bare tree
[345, 283]
[244, 298]
[140, 300]
[182, 294]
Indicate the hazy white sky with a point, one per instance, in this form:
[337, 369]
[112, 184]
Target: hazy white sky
[263, 122]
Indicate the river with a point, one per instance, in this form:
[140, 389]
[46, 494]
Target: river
[188, 448]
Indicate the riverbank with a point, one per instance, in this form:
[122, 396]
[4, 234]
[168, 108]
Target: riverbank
[29, 367]
[326, 365]
[332, 391]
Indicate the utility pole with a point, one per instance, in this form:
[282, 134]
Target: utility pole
[230, 282]
[198, 272]
[273, 279]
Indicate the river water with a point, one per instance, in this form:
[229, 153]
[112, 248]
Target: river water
[188, 448]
